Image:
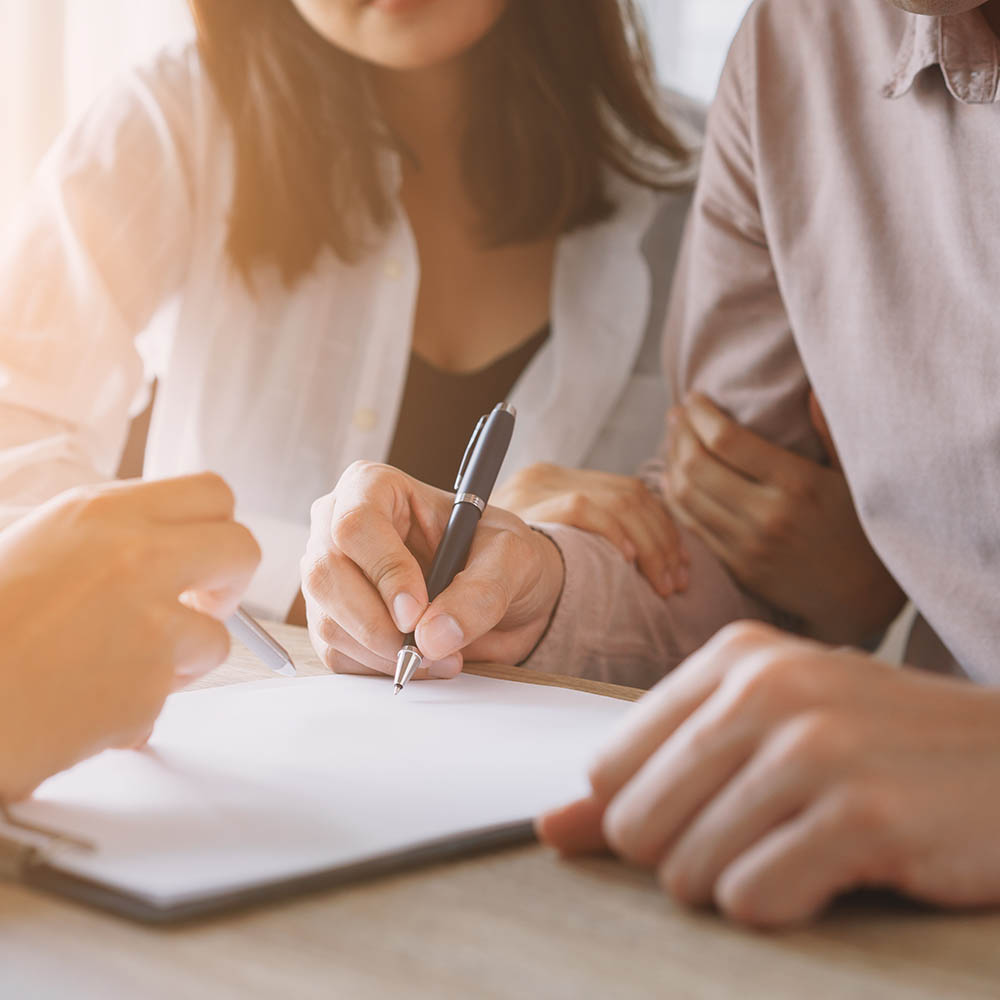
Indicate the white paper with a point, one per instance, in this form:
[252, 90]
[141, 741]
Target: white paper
[254, 783]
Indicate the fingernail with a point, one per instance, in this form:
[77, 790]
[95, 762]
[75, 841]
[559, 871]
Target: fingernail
[406, 610]
[441, 637]
[630, 551]
[447, 668]
[682, 578]
[667, 585]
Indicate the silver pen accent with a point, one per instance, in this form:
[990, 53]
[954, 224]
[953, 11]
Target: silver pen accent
[408, 661]
[261, 643]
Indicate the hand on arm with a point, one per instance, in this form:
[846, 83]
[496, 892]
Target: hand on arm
[769, 774]
[785, 526]
[373, 538]
[109, 599]
[619, 508]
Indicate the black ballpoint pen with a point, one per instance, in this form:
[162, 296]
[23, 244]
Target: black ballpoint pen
[476, 478]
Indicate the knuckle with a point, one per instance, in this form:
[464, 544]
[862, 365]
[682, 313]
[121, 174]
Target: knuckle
[213, 483]
[327, 630]
[721, 437]
[682, 486]
[619, 834]
[766, 681]
[860, 807]
[315, 574]
[776, 525]
[802, 491]
[338, 662]
[743, 636]
[318, 508]
[368, 635]
[817, 740]
[249, 544]
[674, 878]
[488, 598]
[89, 502]
[578, 505]
[348, 528]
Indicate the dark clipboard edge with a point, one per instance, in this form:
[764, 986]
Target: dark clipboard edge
[138, 908]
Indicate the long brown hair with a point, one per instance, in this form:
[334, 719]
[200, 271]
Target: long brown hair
[561, 90]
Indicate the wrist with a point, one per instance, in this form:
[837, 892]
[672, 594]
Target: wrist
[552, 582]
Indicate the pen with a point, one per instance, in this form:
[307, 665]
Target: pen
[263, 645]
[476, 478]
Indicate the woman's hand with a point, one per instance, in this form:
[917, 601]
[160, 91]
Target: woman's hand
[620, 508]
[786, 527]
[769, 774]
[372, 540]
[98, 598]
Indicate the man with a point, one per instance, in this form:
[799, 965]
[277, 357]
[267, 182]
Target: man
[844, 236]
[110, 597]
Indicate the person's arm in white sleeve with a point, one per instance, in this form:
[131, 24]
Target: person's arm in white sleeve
[98, 245]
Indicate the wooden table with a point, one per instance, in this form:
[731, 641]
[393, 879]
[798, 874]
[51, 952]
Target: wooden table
[521, 923]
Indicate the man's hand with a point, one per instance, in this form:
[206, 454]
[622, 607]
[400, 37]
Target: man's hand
[372, 540]
[784, 526]
[619, 508]
[109, 599]
[769, 774]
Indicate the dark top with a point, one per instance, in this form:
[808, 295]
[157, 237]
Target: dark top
[440, 410]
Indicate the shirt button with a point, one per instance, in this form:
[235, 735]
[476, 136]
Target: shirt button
[365, 419]
[393, 269]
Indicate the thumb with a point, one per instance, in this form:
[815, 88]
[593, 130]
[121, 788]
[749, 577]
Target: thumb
[574, 829]
[819, 423]
[500, 569]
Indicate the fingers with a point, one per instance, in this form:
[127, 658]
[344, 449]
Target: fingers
[498, 566]
[759, 798]
[660, 555]
[201, 643]
[373, 514]
[335, 584]
[668, 790]
[579, 510]
[575, 828]
[657, 715]
[344, 655]
[215, 561]
[203, 497]
[795, 871]
[821, 427]
[744, 451]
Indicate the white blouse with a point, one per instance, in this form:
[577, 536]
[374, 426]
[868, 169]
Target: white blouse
[114, 273]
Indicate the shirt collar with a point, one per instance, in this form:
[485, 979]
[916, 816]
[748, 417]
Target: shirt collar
[965, 48]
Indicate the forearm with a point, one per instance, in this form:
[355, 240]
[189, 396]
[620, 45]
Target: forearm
[39, 458]
[610, 625]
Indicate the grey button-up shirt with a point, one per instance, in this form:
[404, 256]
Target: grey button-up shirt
[845, 235]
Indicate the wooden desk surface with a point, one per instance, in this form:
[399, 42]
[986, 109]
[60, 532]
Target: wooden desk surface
[521, 923]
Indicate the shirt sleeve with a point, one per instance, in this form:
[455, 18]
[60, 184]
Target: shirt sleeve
[610, 625]
[99, 243]
[727, 335]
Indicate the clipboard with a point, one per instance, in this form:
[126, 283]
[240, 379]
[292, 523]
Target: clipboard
[205, 822]
[31, 864]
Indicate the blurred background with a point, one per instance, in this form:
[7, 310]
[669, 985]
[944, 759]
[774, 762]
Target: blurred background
[55, 55]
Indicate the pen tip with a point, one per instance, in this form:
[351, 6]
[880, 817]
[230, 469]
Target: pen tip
[396, 688]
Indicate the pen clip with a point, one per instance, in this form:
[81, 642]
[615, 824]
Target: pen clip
[468, 452]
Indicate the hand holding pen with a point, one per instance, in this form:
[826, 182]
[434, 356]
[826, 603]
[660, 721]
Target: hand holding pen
[365, 587]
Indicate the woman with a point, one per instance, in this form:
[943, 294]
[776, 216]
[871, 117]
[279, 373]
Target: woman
[340, 230]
